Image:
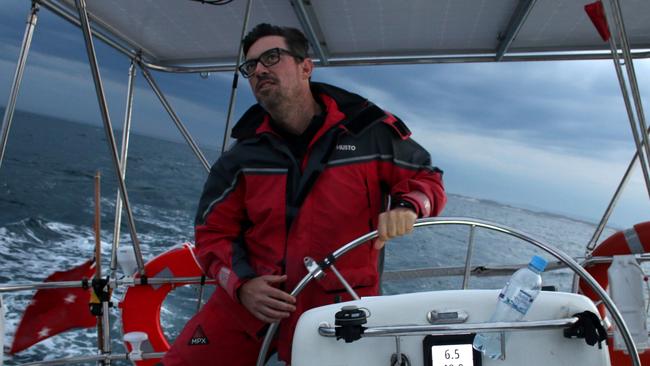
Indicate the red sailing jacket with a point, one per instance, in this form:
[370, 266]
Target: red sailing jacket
[262, 212]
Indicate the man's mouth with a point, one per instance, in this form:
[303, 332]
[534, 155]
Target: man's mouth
[261, 84]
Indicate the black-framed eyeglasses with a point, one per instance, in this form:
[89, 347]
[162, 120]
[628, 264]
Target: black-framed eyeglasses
[268, 59]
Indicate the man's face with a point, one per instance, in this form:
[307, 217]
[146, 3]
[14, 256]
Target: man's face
[271, 85]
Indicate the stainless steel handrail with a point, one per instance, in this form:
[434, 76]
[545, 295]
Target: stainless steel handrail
[129, 281]
[608, 259]
[494, 270]
[418, 330]
[573, 265]
[82, 359]
[410, 273]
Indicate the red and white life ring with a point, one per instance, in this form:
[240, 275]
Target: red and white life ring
[142, 303]
[635, 240]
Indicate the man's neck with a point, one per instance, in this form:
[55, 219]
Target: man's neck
[295, 116]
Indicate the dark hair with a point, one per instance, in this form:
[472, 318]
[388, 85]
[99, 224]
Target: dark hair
[296, 40]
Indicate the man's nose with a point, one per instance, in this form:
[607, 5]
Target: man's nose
[260, 68]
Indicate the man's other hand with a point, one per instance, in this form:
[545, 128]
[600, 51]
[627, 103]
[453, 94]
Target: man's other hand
[264, 300]
[396, 222]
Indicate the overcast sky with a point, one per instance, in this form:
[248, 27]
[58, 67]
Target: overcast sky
[552, 136]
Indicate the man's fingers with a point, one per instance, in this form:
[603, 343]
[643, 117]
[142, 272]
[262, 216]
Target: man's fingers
[382, 232]
[391, 228]
[397, 219]
[273, 314]
[274, 278]
[394, 223]
[263, 317]
[274, 309]
[280, 295]
[275, 292]
[400, 225]
[265, 301]
[281, 303]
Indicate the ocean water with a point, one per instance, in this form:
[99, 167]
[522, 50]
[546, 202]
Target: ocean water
[46, 218]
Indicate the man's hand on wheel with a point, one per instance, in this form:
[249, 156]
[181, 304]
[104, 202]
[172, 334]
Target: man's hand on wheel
[393, 223]
[264, 300]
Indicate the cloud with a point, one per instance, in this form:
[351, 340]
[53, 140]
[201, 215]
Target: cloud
[515, 158]
[60, 86]
[567, 105]
[554, 135]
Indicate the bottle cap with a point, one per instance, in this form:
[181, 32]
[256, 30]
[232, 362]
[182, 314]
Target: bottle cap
[538, 263]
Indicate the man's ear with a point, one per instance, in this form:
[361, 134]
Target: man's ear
[307, 68]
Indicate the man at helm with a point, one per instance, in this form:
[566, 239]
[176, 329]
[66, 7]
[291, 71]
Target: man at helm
[313, 167]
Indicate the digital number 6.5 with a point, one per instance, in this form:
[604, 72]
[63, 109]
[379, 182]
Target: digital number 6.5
[453, 356]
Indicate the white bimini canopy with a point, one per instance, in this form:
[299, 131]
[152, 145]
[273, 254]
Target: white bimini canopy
[188, 33]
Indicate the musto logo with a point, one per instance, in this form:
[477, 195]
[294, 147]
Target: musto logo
[346, 147]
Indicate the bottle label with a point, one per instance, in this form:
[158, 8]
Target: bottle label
[521, 302]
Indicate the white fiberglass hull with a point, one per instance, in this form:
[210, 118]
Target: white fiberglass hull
[526, 347]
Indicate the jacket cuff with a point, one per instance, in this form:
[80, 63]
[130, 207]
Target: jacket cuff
[420, 201]
[229, 281]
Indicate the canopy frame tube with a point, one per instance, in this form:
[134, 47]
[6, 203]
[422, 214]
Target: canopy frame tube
[309, 24]
[108, 128]
[126, 132]
[631, 74]
[612, 203]
[32, 18]
[636, 121]
[218, 66]
[514, 26]
[181, 128]
[235, 77]
[636, 124]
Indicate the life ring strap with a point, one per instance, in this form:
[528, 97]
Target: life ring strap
[633, 241]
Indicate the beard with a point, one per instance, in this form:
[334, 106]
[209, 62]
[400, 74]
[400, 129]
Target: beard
[270, 100]
[271, 97]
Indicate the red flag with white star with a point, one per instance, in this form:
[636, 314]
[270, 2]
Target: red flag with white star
[53, 311]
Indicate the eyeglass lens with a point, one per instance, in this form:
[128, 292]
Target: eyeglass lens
[268, 58]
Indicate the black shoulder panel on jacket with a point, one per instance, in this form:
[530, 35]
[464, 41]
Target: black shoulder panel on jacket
[359, 112]
[364, 118]
[346, 101]
[249, 122]
[400, 128]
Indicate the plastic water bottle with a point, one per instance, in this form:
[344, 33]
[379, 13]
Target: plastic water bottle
[513, 303]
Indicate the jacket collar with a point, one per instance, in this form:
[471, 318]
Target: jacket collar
[339, 104]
